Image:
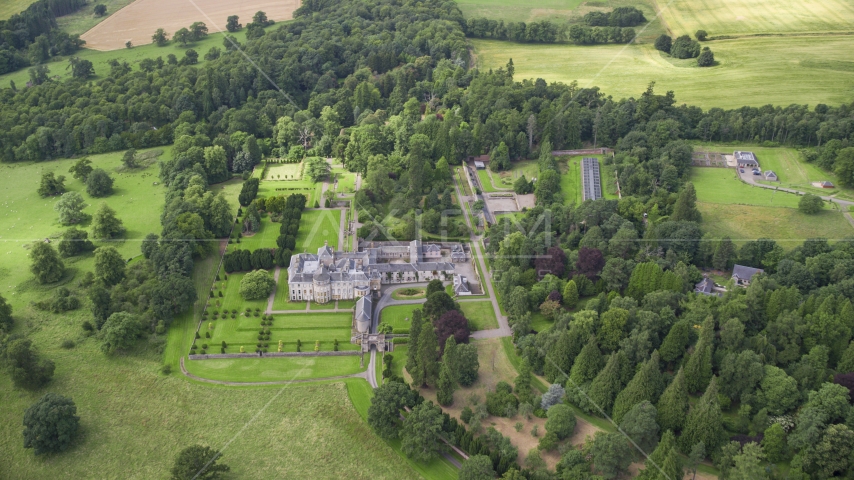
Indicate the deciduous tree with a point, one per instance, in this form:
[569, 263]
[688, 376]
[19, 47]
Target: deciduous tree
[120, 332]
[25, 367]
[99, 183]
[70, 208]
[105, 224]
[51, 424]
[421, 433]
[45, 263]
[197, 462]
[51, 184]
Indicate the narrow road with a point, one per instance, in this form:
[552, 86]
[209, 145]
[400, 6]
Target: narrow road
[371, 372]
[503, 329]
[750, 179]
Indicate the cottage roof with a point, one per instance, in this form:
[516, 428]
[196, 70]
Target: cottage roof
[745, 273]
[705, 286]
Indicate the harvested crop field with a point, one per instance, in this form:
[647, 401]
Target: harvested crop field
[138, 21]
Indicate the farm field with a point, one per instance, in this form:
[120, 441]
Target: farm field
[787, 226]
[11, 7]
[480, 315]
[720, 185]
[746, 17]
[753, 72]
[133, 56]
[84, 19]
[138, 21]
[317, 227]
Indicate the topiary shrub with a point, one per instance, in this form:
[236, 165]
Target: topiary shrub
[203, 351]
[197, 335]
[224, 344]
[221, 350]
[207, 334]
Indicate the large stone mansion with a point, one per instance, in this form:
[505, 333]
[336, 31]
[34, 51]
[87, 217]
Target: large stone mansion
[331, 275]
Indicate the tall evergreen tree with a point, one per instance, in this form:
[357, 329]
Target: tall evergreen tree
[570, 295]
[412, 352]
[451, 359]
[445, 386]
[704, 422]
[606, 386]
[428, 354]
[561, 355]
[645, 385]
[655, 462]
[588, 363]
[673, 404]
[523, 381]
[685, 208]
[724, 254]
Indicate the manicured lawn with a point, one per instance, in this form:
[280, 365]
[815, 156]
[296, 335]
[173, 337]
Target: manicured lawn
[317, 227]
[286, 172]
[307, 328]
[570, 179]
[752, 71]
[540, 323]
[486, 185]
[265, 237]
[349, 304]
[398, 316]
[721, 186]
[346, 180]
[231, 298]
[788, 226]
[418, 292]
[399, 361]
[480, 315]
[273, 368]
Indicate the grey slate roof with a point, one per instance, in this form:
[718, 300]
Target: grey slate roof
[745, 158]
[745, 273]
[705, 286]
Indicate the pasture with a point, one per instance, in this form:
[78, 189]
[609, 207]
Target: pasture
[787, 226]
[750, 71]
[11, 7]
[317, 227]
[273, 369]
[747, 17]
[27, 218]
[138, 21]
[84, 19]
[480, 315]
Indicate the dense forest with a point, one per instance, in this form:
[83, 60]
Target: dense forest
[386, 87]
[32, 37]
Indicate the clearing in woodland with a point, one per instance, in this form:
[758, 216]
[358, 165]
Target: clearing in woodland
[138, 21]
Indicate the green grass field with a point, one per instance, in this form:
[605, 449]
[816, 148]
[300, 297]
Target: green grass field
[11, 7]
[231, 299]
[273, 369]
[346, 180]
[285, 172]
[133, 56]
[720, 185]
[309, 328]
[746, 17]
[265, 237]
[792, 171]
[27, 217]
[754, 71]
[398, 316]
[317, 227]
[480, 315]
[787, 226]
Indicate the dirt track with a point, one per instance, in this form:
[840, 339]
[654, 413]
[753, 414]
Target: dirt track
[138, 21]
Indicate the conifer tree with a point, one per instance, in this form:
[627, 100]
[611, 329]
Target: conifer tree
[606, 386]
[645, 385]
[523, 381]
[704, 422]
[672, 467]
[445, 386]
[412, 352]
[846, 363]
[428, 353]
[561, 355]
[570, 295]
[673, 404]
[450, 358]
[685, 208]
[676, 341]
[658, 457]
[587, 364]
[698, 368]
